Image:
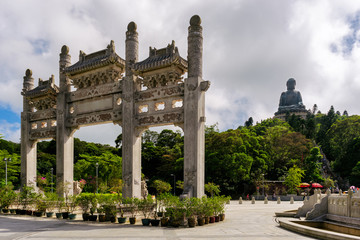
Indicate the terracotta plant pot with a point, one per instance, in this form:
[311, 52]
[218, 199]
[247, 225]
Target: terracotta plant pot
[212, 219]
[102, 218]
[164, 221]
[122, 219]
[29, 212]
[191, 222]
[132, 220]
[145, 221]
[155, 222]
[222, 217]
[217, 218]
[207, 219]
[201, 221]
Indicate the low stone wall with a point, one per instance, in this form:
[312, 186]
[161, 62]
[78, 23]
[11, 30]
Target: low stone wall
[345, 205]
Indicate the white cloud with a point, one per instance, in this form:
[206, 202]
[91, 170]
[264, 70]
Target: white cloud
[251, 48]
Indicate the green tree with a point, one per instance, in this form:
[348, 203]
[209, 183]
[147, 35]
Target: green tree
[293, 179]
[312, 166]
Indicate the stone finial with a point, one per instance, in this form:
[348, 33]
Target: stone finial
[132, 27]
[195, 20]
[111, 47]
[278, 200]
[328, 192]
[253, 200]
[266, 200]
[240, 200]
[65, 50]
[28, 73]
[292, 200]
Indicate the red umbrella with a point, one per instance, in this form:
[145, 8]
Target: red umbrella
[304, 185]
[316, 185]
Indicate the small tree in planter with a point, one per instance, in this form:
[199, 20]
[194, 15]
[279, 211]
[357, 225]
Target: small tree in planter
[72, 206]
[208, 209]
[51, 201]
[84, 201]
[119, 201]
[132, 204]
[7, 197]
[40, 205]
[212, 188]
[191, 206]
[59, 206]
[146, 206]
[27, 198]
[223, 201]
[110, 207]
[161, 188]
[93, 206]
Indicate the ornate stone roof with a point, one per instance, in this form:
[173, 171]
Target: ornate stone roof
[96, 60]
[161, 58]
[44, 88]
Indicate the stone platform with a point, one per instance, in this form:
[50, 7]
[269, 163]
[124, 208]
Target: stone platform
[243, 221]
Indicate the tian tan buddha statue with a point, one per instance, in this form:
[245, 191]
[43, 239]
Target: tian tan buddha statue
[290, 101]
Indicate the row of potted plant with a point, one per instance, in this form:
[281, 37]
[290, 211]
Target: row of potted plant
[167, 209]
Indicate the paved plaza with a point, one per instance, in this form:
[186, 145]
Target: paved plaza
[245, 221]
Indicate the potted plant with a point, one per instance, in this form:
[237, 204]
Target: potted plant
[110, 208]
[208, 210]
[101, 208]
[65, 189]
[72, 206]
[200, 211]
[59, 205]
[162, 189]
[146, 206]
[191, 206]
[93, 207]
[50, 200]
[83, 200]
[7, 196]
[27, 198]
[40, 206]
[224, 201]
[119, 201]
[132, 204]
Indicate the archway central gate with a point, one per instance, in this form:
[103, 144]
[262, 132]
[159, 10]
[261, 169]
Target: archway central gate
[134, 94]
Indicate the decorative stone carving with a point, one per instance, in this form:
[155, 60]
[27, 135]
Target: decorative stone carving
[168, 118]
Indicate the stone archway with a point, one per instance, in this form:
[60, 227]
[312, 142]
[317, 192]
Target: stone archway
[134, 94]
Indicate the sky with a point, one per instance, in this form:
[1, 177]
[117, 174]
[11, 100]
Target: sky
[251, 48]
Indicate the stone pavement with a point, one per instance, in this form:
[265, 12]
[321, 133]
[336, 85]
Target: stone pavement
[246, 221]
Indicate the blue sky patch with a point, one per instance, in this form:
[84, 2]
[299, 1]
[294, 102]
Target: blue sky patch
[40, 46]
[350, 40]
[9, 116]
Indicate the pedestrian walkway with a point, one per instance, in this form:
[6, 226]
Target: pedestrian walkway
[242, 221]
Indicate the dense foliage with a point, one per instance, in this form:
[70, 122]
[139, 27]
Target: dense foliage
[237, 160]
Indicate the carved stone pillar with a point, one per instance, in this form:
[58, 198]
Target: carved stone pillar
[64, 135]
[194, 113]
[28, 147]
[131, 137]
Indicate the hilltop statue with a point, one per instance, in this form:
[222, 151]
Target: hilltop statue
[291, 101]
